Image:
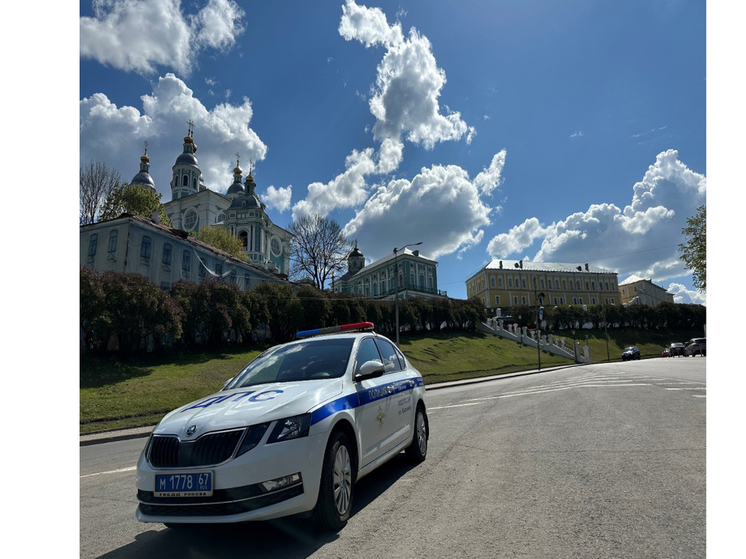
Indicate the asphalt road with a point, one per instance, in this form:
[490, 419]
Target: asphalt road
[604, 460]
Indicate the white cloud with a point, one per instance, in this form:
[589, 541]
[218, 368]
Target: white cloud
[683, 295]
[218, 24]
[278, 198]
[389, 156]
[642, 239]
[408, 85]
[419, 208]
[346, 190]
[115, 135]
[518, 238]
[489, 179]
[141, 35]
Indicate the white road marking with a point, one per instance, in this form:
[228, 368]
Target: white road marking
[119, 471]
[454, 406]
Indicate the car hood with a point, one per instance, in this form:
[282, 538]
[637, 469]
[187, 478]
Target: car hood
[241, 407]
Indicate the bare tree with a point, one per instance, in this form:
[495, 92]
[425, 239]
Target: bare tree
[97, 182]
[318, 250]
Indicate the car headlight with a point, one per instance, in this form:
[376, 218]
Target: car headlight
[252, 437]
[291, 428]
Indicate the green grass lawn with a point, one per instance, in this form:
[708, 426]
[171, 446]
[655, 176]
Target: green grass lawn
[116, 394]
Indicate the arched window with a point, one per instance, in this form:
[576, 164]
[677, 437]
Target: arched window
[145, 248]
[113, 241]
[167, 254]
[190, 220]
[244, 236]
[186, 264]
[92, 245]
[194, 183]
[185, 181]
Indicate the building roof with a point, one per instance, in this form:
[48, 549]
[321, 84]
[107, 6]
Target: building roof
[632, 279]
[563, 267]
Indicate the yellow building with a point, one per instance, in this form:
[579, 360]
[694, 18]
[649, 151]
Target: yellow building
[504, 283]
[638, 291]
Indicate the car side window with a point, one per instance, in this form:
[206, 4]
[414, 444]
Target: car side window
[366, 352]
[388, 353]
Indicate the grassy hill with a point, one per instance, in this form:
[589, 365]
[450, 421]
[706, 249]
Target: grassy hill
[115, 394]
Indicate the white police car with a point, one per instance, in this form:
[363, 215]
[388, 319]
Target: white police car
[291, 433]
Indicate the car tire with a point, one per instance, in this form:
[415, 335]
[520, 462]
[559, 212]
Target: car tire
[335, 490]
[417, 449]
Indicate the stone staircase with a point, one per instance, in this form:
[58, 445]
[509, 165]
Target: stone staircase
[548, 342]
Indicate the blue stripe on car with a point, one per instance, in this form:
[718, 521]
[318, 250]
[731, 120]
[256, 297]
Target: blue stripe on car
[362, 398]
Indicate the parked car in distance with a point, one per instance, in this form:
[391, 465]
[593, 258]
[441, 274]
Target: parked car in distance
[666, 352]
[630, 353]
[677, 348]
[696, 346]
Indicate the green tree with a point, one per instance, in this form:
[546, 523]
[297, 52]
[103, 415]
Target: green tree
[135, 200]
[136, 309]
[694, 250]
[220, 238]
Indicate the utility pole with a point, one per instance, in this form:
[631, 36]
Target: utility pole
[396, 292]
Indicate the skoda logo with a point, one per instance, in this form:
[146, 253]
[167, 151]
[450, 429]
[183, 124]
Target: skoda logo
[191, 430]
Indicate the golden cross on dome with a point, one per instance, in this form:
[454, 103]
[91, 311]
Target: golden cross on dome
[146, 147]
[238, 158]
[190, 130]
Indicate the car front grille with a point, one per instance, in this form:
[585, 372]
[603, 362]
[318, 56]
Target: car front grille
[221, 503]
[209, 449]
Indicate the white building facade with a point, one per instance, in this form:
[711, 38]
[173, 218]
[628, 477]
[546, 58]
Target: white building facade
[135, 244]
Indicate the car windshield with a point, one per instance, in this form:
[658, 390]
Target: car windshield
[308, 360]
[630, 348]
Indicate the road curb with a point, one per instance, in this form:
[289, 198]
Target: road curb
[142, 432]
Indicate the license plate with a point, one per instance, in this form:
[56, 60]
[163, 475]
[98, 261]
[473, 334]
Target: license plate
[183, 484]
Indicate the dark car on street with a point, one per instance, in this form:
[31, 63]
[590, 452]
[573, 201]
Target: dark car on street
[696, 346]
[630, 353]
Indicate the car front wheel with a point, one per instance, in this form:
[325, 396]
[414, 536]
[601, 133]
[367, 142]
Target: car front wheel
[335, 491]
[417, 449]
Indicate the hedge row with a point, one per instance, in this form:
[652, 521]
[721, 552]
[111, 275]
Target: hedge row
[129, 314]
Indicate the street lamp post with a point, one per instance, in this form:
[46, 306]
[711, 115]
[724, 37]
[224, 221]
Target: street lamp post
[396, 288]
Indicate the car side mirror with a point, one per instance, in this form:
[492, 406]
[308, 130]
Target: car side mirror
[370, 369]
[226, 383]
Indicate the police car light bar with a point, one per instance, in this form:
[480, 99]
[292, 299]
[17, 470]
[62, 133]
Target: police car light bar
[357, 327]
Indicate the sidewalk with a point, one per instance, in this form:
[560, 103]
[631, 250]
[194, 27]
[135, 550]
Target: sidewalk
[142, 432]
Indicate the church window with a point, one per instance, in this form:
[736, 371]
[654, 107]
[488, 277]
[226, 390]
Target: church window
[145, 248]
[92, 245]
[190, 220]
[233, 276]
[275, 245]
[219, 270]
[202, 270]
[510, 282]
[246, 281]
[185, 181]
[167, 254]
[244, 236]
[194, 183]
[113, 241]
[220, 218]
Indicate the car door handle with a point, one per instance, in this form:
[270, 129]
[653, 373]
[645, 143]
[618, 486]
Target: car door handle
[389, 389]
[411, 384]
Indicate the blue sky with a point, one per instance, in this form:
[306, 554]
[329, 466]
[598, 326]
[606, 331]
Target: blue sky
[558, 131]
